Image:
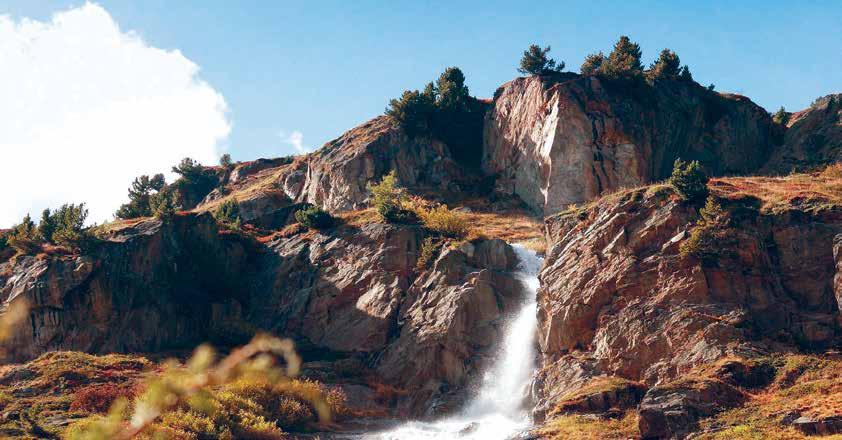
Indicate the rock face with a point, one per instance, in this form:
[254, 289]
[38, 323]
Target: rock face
[150, 287]
[618, 299]
[336, 176]
[349, 292]
[568, 141]
[813, 137]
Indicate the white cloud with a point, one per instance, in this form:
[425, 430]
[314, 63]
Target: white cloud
[295, 139]
[86, 107]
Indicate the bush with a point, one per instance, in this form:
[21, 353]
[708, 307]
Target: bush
[413, 111]
[314, 217]
[536, 62]
[228, 214]
[24, 237]
[445, 221]
[429, 249]
[139, 196]
[69, 224]
[99, 398]
[668, 65]
[710, 235]
[194, 184]
[389, 200]
[592, 63]
[781, 116]
[688, 180]
[163, 205]
[225, 161]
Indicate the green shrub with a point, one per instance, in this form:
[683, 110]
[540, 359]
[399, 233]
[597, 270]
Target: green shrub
[314, 217]
[592, 63]
[445, 221]
[194, 184]
[47, 225]
[413, 111]
[24, 237]
[781, 116]
[139, 196]
[225, 161]
[689, 181]
[228, 214]
[624, 60]
[710, 237]
[668, 65]
[69, 224]
[429, 249]
[163, 205]
[389, 200]
[536, 62]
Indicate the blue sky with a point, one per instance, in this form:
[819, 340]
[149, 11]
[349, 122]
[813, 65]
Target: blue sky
[99, 93]
[323, 67]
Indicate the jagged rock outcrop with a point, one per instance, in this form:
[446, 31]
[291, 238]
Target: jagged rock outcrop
[566, 141]
[351, 291]
[336, 176]
[618, 299]
[813, 138]
[149, 287]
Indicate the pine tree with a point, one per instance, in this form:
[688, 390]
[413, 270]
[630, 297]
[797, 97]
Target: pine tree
[536, 62]
[668, 65]
[623, 60]
[592, 63]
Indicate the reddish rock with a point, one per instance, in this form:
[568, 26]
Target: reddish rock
[572, 139]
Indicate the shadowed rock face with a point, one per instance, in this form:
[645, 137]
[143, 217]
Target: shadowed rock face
[813, 137]
[568, 141]
[347, 292]
[618, 299]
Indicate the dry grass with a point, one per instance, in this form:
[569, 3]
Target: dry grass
[814, 191]
[804, 384]
[591, 428]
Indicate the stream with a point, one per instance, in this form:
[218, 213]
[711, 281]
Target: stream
[498, 411]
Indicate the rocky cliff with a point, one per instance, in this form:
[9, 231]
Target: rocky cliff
[813, 138]
[570, 139]
[352, 292]
[618, 298]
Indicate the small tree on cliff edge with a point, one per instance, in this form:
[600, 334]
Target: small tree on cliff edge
[668, 65]
[689, 180]
[536, 62]
[624, 60]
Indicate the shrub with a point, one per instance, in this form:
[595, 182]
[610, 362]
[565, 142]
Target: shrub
[685, 74]
[781, 116]
[445, 221]
[450, 92]
[668, 65]
[69, 224]
[710, 236]
[228, 214]
[194, 184]
[47, 225]
[413, 111]
[99, 398]
[592, 63]
[314, 217]
[389, 199]
[623, 60]
[536, 62]
[163, 205]
[429, 248]
[688, 180]
[24, 237]
[139, 196]
[225, 160]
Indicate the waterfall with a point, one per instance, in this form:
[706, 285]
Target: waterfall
[497, 410]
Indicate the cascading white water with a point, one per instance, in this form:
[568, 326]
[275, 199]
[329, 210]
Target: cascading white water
[497, 411]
